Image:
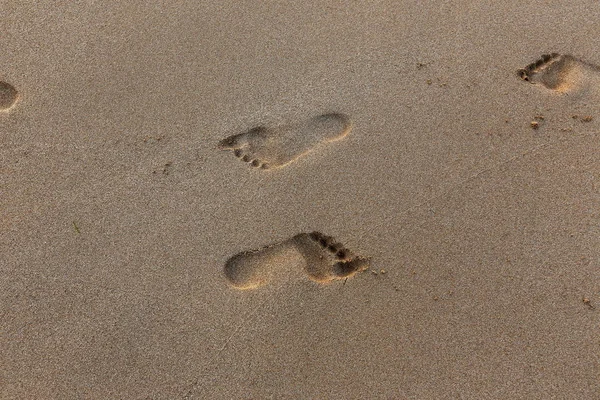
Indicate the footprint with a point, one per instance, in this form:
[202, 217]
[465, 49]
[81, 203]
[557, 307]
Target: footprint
[562, 73]
[265, 147]
[320, 257]
[8, 96]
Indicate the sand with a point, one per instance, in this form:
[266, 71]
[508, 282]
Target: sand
[119, 211]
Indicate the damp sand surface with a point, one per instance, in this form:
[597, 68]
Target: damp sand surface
[410, 219]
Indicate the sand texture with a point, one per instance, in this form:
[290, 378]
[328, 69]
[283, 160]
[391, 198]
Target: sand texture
[300, 200]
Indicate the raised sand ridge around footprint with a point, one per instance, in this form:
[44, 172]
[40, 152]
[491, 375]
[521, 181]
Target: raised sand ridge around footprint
[274, 147]
[321, 258]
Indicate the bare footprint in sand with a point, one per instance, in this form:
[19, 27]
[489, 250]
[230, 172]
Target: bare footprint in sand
[321, 258]
[265, 147]
[562, 73]
[8, 96]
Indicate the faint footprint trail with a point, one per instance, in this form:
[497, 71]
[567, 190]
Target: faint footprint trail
[8, 96]
[274, 147]
[562, 73]
[322, 259]
[526, 74]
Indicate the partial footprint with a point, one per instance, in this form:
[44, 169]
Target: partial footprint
[275, 147]
[562, 73]
[8, 96]
[320, 256]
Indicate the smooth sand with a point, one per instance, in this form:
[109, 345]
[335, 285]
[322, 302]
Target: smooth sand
[119, 211]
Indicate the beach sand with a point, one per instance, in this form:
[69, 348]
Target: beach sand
[473, 194]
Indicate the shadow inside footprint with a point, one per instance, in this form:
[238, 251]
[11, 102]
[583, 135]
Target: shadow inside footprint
[8, 96]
